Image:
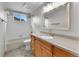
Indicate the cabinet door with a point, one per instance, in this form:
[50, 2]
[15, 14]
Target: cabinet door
[37, 49]
[45, 52]
[42, 49]
[61, 53]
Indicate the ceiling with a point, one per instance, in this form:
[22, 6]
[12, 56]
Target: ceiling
[27, 7]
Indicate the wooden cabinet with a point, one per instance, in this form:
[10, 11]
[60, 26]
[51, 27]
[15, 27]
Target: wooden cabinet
[45, 52]
[37, 49]
[41, 48]
[33, 44]
[44, 49]
[61, 53]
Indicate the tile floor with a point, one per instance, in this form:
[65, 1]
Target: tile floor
[19, 52]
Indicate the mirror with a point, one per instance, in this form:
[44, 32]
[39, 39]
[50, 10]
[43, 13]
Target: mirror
[58, 18]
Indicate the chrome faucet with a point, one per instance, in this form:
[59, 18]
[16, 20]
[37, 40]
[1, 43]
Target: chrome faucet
[48, 33]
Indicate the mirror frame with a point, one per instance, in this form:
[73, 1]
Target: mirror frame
[68, 18]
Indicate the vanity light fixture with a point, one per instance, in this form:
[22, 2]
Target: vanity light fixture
[52, 5]
[25, 5]
[48, 7]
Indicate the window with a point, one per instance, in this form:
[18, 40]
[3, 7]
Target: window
[20, 17]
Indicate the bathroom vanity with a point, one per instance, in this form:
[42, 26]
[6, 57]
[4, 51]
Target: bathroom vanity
[47, 46]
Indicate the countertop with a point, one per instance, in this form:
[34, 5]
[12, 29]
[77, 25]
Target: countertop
[68, 44]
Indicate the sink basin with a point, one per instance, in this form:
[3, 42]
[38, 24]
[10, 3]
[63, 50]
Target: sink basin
[47, 37]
